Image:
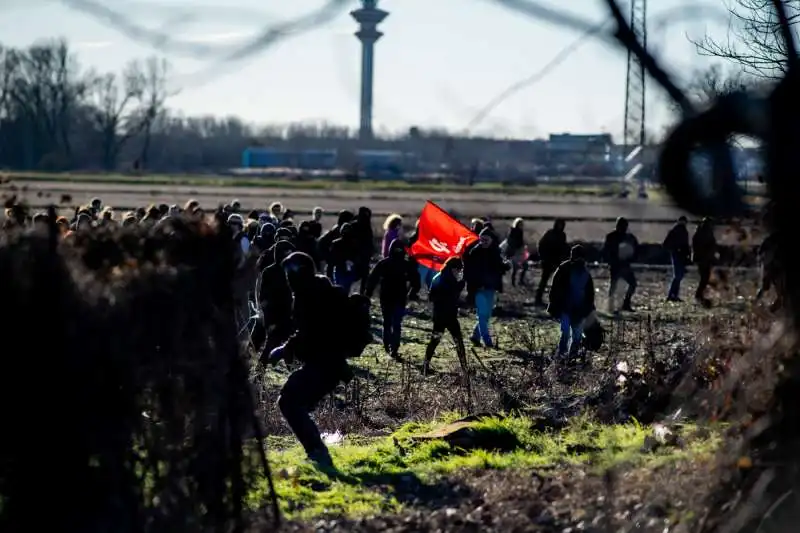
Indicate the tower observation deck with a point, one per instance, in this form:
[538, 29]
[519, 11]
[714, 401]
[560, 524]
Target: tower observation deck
[368, 18]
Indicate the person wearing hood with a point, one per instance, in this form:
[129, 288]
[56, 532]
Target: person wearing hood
[344, 257]
[326, 241]
[680, 251]
[553, 250]
[392, 229]
[619, 250]
[264, 241]
[365, 242]
[306, 242]
[571, 300]
[318, 313]
[397, 277]
[484, 272]
[275, 300]
[704, 248]
[445, 293]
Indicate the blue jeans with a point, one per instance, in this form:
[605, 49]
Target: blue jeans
[392, 323]
[344, 279]
[425, 276]
[484, 305]
[678, 273]
[571, 333]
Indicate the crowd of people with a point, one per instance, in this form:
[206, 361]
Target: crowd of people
[314, 286]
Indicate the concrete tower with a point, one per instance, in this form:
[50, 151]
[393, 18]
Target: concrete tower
[368, 18]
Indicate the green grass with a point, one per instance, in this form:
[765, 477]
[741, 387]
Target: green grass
[311, 184]
[375, 476]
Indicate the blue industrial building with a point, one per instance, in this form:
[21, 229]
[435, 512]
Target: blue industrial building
[262, 157]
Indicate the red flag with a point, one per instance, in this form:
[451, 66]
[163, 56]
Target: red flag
[439, 237]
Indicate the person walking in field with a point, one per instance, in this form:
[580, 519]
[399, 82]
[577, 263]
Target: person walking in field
[680, 251]
[553, 250]
[398, 278]
[704, 248]
[619, 251]
[571, 300]
[485, 280]
[515, 251]
[392, 230]
[445, 293]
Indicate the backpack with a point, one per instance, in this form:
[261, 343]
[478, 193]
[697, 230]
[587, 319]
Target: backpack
[593, 337]
[357, 325]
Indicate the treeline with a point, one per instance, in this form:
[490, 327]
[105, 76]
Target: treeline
[58, 115]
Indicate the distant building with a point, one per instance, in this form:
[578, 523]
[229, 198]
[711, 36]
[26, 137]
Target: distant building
[591, 155]
[258, 157]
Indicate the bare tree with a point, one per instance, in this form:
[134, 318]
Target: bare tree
[753, 42]
[154, 96]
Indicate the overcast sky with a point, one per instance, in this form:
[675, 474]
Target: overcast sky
[438, 64]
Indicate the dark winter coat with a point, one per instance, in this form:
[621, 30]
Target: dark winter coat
[485, 268]
[396, 275]
[567, 295]
[677, 242]
[553, 248]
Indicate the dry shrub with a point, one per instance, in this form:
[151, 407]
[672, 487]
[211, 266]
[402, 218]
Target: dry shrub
[122, 392]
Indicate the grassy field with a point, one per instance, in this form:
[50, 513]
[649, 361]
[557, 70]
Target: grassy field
[313, 184]
[407, 458]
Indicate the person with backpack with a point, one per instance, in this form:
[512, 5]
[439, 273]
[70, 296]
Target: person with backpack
[445, 293]
[398, 278]
[571, 300]
[329, 328]
[680, 251]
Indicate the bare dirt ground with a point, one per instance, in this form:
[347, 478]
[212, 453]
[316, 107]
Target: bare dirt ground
[590, 218]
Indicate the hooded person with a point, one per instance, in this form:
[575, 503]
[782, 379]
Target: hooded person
[704, 253]
[275, 300]
[344, 257]
[571, 300]
[680, 251]
[619, 250]
[445, 293]
[319, 312]
[364, 237]
[326, 241]
[398, 277]
[553, 250]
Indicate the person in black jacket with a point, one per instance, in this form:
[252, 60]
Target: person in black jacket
[445, 293]
[553, 250]
[343, 258]
[324, 243]
[306, 242]
[365, 241]
[484, 273]
[619, 251]
[571, 300]
[680, 251]
[315, 224]
[318, 343]
[275, 299]
[397, 277]
[704, 253]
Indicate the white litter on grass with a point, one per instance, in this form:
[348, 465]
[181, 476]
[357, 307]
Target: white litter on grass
[331, 439]
[622, 366]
